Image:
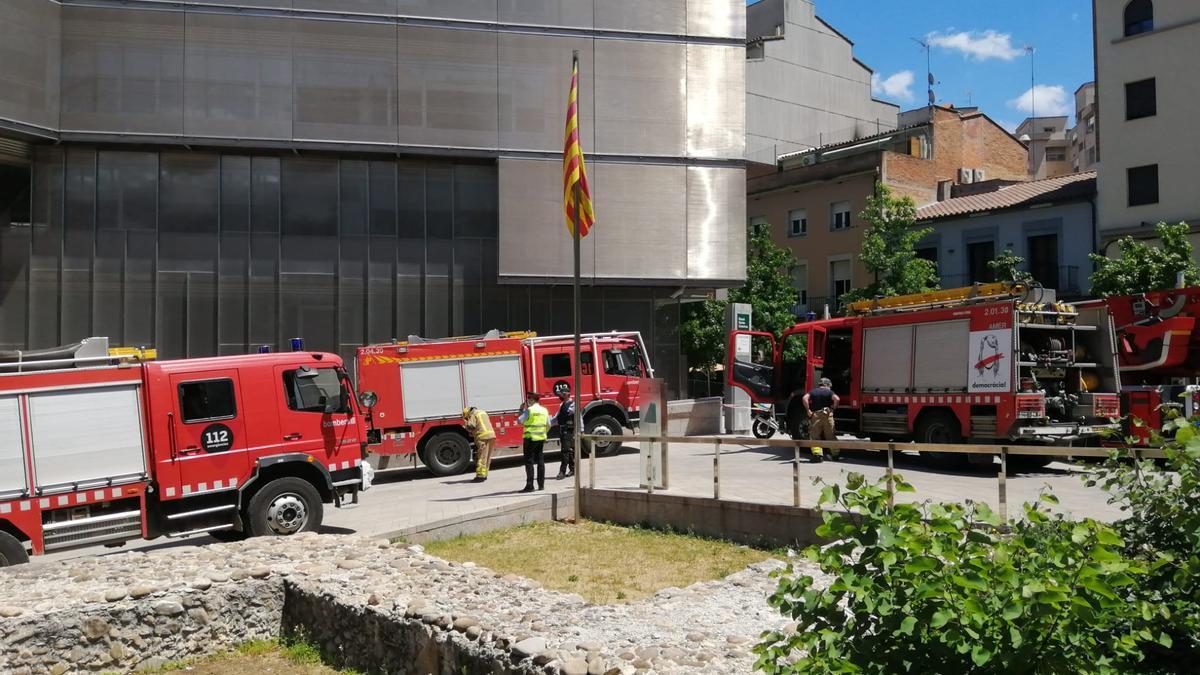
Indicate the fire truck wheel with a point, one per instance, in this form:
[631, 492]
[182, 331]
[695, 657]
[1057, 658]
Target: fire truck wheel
[940, 427]
[447, 454]
[285, 506]
[604, 425]
[12, 551]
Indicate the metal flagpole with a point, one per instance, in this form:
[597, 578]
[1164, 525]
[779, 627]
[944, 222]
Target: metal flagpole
[578, 194]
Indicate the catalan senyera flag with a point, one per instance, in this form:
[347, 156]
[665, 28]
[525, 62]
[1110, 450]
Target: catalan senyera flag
[574, 170]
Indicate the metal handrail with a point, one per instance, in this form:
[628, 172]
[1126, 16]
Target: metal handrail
[1003, 451]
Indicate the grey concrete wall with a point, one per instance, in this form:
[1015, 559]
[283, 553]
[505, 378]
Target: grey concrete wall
[807, 89]
[537, 509]
[744, 522]
[694, 417]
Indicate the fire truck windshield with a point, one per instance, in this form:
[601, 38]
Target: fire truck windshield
[626, 362]
[318, 390]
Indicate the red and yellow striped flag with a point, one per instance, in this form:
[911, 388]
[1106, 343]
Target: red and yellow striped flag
[574, 170]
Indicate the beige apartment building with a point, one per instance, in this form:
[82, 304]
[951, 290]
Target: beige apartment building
[1147, 93]
[1084, 155]
[813, 199]
[1049, 146]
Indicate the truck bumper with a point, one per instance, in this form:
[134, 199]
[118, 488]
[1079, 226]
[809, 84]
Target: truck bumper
[1064, 432]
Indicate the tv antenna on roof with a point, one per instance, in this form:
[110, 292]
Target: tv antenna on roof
[928, 67]
[1030, 50]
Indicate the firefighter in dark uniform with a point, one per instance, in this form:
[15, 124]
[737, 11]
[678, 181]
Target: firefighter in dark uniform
[820, 404]
[564, 419]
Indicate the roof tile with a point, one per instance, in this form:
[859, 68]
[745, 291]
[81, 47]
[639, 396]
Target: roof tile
[1071, 186]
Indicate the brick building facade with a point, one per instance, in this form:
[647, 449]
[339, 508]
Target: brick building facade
[813, 199]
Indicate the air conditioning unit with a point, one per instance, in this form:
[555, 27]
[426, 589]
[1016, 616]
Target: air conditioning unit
[980, 175]
[966, 176]
[808, 160]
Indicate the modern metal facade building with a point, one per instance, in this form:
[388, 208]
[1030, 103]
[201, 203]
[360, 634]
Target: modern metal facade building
[206, 177]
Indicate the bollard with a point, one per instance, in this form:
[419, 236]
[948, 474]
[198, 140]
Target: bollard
[592, 465]
[717, 469]
[796, 476]
[1003, 483]
[891, 476]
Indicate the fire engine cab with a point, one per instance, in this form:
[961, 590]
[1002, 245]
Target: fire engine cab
[1158, 350]
[988, 363]
[97, 448]
[424, 384]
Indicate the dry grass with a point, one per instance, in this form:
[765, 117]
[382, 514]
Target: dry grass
[264, 657]
[603, 563]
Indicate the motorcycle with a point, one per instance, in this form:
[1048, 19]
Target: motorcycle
[764, 424]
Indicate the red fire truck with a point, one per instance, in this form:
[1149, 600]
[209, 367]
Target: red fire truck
[423, 386]
[1158, 349]
[102, 449]
[980, 364]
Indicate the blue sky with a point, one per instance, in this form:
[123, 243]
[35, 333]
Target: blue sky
[978, 48]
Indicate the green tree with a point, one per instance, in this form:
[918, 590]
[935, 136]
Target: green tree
[889, 249]
[1006, 267]
[768, 290]
[1145, 267]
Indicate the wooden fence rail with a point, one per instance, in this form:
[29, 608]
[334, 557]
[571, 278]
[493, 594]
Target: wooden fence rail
[1002, 451]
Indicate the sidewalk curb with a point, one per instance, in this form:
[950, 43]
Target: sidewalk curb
[552, 506]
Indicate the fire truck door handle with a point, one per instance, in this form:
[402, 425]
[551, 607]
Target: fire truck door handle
[292, 437]
[171, 433]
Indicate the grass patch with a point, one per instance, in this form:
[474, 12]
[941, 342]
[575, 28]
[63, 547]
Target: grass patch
[602, 563]
[259, 657]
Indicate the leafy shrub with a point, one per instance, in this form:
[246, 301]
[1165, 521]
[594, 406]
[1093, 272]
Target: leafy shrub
[948, 588]
[1162, 530]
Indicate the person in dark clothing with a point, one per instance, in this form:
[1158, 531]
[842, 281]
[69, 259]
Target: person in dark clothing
[820, 404]
[564, 419]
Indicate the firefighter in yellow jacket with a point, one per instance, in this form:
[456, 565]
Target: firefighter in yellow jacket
[479, 425]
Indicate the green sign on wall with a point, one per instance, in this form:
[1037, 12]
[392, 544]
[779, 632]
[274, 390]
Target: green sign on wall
[743, 321]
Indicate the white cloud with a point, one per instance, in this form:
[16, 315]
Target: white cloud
[978, 46]
[1044, 100]
[898, 86]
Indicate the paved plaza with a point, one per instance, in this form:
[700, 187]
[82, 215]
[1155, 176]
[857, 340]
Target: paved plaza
[409, 497]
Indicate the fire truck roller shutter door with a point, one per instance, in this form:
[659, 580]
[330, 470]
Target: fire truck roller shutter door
[493, 384]
[941, 356]
[85, 435]
[887, 358]
[434, 390]
[12, 461]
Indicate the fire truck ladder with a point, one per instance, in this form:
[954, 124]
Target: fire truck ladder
[90, 352]
[949, 297]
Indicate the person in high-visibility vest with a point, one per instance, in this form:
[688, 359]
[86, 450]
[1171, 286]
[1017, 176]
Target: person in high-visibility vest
[536, 421]
[479, 425]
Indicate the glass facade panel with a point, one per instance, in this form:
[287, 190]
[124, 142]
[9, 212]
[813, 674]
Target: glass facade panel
[531, 113]
[31, 52]
[660, 16]
[237, 77]
[449, 9]
[447, 84]
[625, 247]
[344, 81]
[641, 102]
[569, 13]
[122, 70]
[716, 115]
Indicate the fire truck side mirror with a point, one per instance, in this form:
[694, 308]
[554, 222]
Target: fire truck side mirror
[367, 399]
